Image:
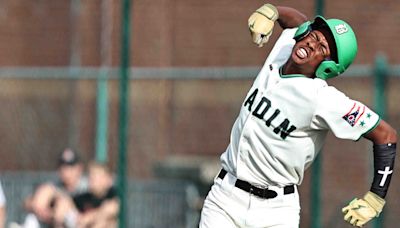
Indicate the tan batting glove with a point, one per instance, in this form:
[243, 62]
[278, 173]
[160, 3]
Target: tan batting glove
[360, 211]
[261, 23]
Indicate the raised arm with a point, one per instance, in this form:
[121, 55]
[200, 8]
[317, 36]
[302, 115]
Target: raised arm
[290, 17]
[262, 21]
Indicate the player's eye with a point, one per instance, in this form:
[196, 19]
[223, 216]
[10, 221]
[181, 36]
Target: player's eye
[324, 50]
[313, 36]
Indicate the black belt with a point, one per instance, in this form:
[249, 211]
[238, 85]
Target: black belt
[264, 193]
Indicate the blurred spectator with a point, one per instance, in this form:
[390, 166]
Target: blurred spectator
[75, 201]
[97, 208]
[3, 211]
[70, 172]
[71, 182]
[100, 206]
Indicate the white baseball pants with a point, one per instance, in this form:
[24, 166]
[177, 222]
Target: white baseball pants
[227, 206]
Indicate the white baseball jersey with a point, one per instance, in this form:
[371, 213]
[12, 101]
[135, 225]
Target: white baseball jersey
[284, 120]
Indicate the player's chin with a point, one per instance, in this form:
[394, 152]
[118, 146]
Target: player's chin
[298, 60]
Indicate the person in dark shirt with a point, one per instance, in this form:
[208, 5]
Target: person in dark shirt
[88, 200]
[99, 207]
[71, 181]
[96, 208]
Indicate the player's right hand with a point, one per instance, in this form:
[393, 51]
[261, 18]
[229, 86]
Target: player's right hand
[261, 23]
[360, 211]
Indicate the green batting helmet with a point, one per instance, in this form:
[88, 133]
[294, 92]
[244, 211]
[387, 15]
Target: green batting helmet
[345, 45]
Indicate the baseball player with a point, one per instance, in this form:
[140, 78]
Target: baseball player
[284, 120]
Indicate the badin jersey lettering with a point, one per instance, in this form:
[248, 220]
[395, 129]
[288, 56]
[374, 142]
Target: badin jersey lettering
[263, 106]
[354, 114]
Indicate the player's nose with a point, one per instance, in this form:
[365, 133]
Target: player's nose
[312, 45]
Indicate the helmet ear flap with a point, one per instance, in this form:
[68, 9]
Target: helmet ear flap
[328, 69]
[303, 30]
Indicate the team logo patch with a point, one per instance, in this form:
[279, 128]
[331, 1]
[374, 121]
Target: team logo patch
[341, 28]
[354, 114]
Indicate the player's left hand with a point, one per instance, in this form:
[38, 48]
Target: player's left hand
[360, 211]
[261, 23]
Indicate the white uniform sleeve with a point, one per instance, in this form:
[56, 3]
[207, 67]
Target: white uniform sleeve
[282, 48]
[347, 118]
[2, 197]
[278, 55]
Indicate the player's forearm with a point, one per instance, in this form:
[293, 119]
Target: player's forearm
[384, 138]
[382, 134]
[290, 17]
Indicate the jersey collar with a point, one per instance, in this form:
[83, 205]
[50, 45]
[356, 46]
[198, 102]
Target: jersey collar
[289, 75]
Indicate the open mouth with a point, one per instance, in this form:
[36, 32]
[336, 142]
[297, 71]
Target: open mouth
[302, 53]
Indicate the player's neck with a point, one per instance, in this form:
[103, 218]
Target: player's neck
[292, 68]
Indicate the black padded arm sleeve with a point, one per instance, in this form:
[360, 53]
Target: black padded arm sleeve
[384, 156]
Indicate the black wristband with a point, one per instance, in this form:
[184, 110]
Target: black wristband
[384, 156]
